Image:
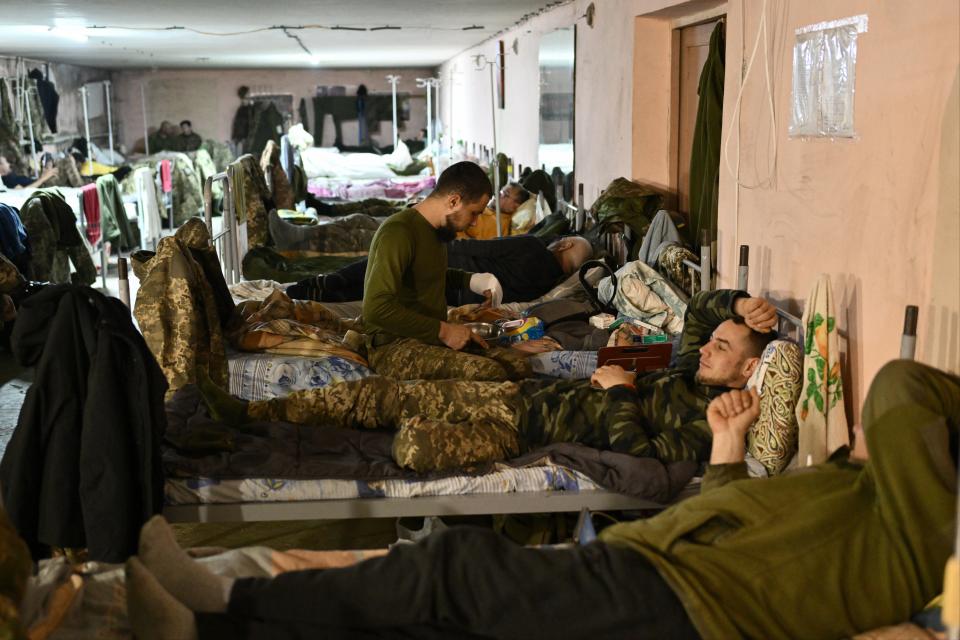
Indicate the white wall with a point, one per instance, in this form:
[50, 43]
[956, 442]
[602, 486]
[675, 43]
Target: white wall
[208, 97]
[604, 89]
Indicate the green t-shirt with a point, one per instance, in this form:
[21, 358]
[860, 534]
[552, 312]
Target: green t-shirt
[404, 289]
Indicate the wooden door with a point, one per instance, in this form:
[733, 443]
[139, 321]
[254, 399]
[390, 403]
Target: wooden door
[694, 48]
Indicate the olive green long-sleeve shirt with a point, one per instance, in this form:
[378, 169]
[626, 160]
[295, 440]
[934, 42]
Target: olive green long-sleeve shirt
[404, 292]
[832, 550]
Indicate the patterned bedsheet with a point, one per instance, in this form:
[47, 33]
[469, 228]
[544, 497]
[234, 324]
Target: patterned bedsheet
[257, 376]
[574, 365]
[548, 477]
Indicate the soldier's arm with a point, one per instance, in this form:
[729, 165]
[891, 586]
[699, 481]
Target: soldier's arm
[628, 434]
[459, 278]
[729, 417]
[706, 310]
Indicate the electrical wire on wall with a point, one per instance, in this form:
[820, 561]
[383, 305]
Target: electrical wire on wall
[734, 172]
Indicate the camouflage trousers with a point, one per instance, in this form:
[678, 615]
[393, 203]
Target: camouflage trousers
[441, 425]
[411, 359]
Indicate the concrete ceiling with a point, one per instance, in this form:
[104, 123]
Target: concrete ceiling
[134, 33]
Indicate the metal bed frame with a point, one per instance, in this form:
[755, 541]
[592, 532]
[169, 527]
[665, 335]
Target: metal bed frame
[225, 242]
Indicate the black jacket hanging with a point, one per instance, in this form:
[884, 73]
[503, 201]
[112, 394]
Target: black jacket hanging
[49, 98]
[83, 466]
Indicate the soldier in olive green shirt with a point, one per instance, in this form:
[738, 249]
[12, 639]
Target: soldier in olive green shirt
[404, 292]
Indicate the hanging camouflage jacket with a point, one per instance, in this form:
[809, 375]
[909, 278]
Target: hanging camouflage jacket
[178, 308]
[665, 418]
[55, 241]
[251, 199]
[280, 184]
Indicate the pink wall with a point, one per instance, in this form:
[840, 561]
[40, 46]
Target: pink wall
[209, 97]
[878, 213]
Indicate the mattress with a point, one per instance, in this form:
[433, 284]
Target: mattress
[189, 491]
[259, 376]
[397, 188]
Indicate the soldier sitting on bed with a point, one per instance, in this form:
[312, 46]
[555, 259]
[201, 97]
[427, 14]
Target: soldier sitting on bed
[857, 543]
[451, 424]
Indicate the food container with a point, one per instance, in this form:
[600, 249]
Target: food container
[486, 330]
[521, 330]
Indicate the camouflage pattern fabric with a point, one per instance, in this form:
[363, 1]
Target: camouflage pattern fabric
[68, 175]
[187, 190]
[250, 198]
[670, 264]
[55, 241]
[628, 203]
[41, 128]
[177, 310]
[412, 359]
[351, 233]
[280, 184]
[442, 425]
[10, 131]
[455, 423]
[205, 168]
[10, 276]
[664, 418]
[265, 263]
[219, 152]
[16, 566]
[375, 207]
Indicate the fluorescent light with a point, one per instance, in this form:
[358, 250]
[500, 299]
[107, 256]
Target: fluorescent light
[74, 33]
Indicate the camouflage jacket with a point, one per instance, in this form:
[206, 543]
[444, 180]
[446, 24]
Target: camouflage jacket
[55, 241]
[665, 418]
[251, 198]
[279, 184]
[177, 307]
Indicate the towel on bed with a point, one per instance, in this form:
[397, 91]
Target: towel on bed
[292, 327]
[820, 412]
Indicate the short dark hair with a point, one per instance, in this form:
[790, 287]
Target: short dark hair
[466, 179]
[186, 122]
[520, 193]
[756, 341]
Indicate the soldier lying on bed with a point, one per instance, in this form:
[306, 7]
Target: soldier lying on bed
[526, 266]
[847, 546]
[450, 424]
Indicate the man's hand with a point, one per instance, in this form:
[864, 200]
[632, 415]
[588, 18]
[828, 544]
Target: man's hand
[730, 416]
[49, 172]
[759, 314]
[487, 285]
[457, 336]
[612, 375]
[540, 345]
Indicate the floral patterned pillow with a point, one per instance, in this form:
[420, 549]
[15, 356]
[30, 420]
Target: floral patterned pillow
[772, 439]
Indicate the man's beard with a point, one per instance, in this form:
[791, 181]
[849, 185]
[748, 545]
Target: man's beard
[448, 232]
[709, 381]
